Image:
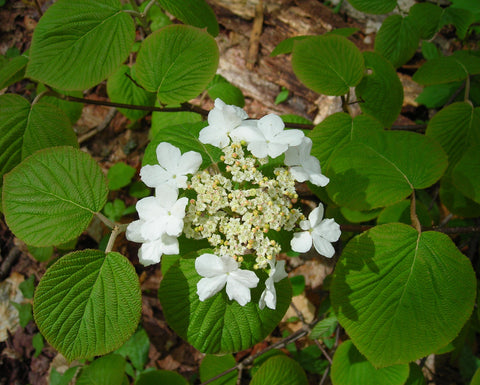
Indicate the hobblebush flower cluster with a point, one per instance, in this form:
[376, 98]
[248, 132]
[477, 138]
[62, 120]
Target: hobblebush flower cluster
[237, 205]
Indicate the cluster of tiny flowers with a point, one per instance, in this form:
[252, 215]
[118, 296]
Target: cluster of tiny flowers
[236, 207]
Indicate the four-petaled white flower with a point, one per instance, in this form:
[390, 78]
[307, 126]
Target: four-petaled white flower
[268, 137]
[320, 232]
[304, 166]
[173, 167]
[221, 121]
[269, 295]
[161, 221]
[221, 271]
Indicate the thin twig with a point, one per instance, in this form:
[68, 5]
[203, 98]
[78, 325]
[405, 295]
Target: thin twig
[325, 375]
[9, 260]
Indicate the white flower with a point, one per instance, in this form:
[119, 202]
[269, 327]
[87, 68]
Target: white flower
[172, 168]
[221, 271]
[304, 166]
[161, 221]
[269, 295]
[221, 121]
[268, 137]
[317, 231]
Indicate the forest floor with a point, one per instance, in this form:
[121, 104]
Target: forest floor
[110, 138]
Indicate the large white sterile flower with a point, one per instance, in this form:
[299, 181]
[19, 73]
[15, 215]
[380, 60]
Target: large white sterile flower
[320, 232]
[172, 168]
[304, 166]
[221, 121]
[269, 295]
[221, 271]
[268, 137]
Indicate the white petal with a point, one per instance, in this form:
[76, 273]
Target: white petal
[247, 132]
[154, 176]
[258, 149]
[180, 181]
[178, 209]
[292, 156]
[169, 244]
[239, 283]
[316, 216]
[271, 125]
[214, 135]
[208, 287]
[299, 174]
[154, 229]
[323, 247]
[290, 137]
[269, 298]
[189, 163]
[305, 225]
[149, 208]
[133, 232]
[276, 149]
[319, 180]
[245, 278]
[168, 156]
[166, 196]
[301, 242]
[209, 265]
[150, 253]
[173, 226]
[328, 229]
[280, 272]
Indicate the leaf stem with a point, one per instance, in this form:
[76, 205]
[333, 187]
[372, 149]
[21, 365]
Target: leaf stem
[413, 213]
[111, 224]
[39, 96]
[117, 229]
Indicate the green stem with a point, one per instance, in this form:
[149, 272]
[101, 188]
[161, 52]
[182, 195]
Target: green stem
[39, 96]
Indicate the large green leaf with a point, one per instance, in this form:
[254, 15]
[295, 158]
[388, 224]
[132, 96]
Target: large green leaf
[72, 109]
[401, 295]
[416, 375]
[185, 137]
[397, 39]
[78, 43]
[376, 7]
[194, 12]
[328, 64]
[13, 71]
[212, 365]
[122, 88]
[88, 303]
[337, 130]
[440, 71]
[221, 88]
[52, 195]
[455, 201]
[108, 370]
[279, 370]
[459, 17]
[456, 128]
[177, 62]
[217, 325]
[383, 168]
[161, 120]
[426, 18]
[349, 367]
[465, 174]
[156, 377]
[380, 92]
[26, 129]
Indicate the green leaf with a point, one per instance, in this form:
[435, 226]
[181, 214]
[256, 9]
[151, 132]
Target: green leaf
[349, 367]
[177, 62]
[324, 328]
[50, 197]
[282, 96]
[194, 12]
[400, 212]
[88, 303]
[38, 344]
[383, 168]
[279, 370]
[328, 64]
[28, 287]
[286, 46]
[298, 284]
[136, 349]
[72, 109]
[397, 39]
[213, 365]
[355, 216]
[437, 95]
[476, 378]
[24, 312]
[380, 285]
[161, 120]
[41, 254]
[157, 18]
[458, 17]
[185, 137]
[26, 129]
[416, 376]
[292, 118]
[57, 378]
[455, 128]
[217, 325]
[429, 49]
[221, 88]
[380, 91]
[470, 5]
[122, 88]
[465, 173]
[78, 43]
[455, 201]
[13, 71]
[108, 370]
[120, 175]
[441, 70]
[376, 7]
[157, 377]
[426, 18]
[337, 130]
[469, 60]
